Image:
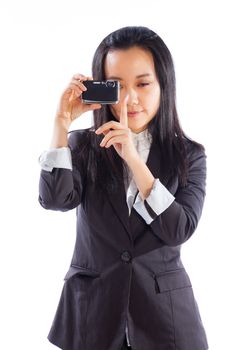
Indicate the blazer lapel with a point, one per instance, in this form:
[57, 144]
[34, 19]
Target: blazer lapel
[159, 171]
[155, 165]
[118, 199]
[119, 205]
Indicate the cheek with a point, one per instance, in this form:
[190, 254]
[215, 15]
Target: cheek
[153, 100]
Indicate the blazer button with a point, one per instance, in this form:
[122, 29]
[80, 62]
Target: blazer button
[126, 256]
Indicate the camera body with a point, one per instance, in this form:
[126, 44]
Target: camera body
[103, 92]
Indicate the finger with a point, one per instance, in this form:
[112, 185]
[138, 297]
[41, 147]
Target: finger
[72, 96]
[70, 93]
[76, 88]
[79, 76]
[78, 83]
[75, 93]
[108, 126]
[111, 134]
[115, 140]
[92, 107]
[71, 87]
[123, 115]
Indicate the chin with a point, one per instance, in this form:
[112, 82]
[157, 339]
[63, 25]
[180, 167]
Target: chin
[137, 129]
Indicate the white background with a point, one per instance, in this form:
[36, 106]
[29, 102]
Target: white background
[43, 43]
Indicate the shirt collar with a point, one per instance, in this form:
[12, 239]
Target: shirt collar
[142, 137]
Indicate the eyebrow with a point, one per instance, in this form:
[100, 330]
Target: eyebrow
[137, 77]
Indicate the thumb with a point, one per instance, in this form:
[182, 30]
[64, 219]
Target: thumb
[92, 107]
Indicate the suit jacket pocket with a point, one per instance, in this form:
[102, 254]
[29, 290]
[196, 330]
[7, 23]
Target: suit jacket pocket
[171, 280]
[81, 271]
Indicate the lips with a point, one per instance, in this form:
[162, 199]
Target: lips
[133, 113]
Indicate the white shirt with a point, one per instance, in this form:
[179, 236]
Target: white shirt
[159, 198]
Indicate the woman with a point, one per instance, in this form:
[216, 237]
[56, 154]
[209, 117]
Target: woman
[138, 184]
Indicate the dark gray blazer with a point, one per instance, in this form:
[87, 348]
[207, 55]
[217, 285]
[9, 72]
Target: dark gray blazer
[124, 269]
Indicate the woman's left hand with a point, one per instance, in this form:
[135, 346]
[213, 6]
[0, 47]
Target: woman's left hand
[119, 135]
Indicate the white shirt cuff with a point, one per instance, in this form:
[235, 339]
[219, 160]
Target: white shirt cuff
[158, 201]
[56, 158]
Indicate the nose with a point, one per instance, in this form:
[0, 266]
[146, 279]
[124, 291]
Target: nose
[132, 97]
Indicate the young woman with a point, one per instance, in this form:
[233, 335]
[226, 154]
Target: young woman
[138, 183]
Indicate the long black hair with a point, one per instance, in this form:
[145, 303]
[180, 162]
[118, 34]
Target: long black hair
[104, 165]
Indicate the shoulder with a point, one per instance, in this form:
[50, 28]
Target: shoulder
[196, 156]
[193, 148]
[188, 149]
[79, 138]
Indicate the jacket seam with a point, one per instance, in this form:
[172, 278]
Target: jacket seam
[172, 313]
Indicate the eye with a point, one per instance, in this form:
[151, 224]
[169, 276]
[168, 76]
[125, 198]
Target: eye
[143, 84]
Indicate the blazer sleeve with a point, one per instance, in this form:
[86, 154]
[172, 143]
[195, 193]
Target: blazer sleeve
[178, 222]
[62, 189]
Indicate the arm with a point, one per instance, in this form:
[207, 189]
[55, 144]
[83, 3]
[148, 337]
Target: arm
[178, 222]
[61, 189]
[56, 158]
[151, 207]
[142, 176]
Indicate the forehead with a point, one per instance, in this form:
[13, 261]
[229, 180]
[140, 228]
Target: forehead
[129, 63]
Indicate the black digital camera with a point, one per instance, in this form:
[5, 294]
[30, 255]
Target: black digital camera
[103, 92]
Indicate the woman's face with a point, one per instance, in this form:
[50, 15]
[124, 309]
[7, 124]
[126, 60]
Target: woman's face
[135, 70]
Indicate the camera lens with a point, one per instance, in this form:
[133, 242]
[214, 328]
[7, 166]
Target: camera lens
[110, 83]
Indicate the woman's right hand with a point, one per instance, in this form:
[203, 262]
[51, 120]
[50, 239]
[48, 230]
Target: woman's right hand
[70, 105]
